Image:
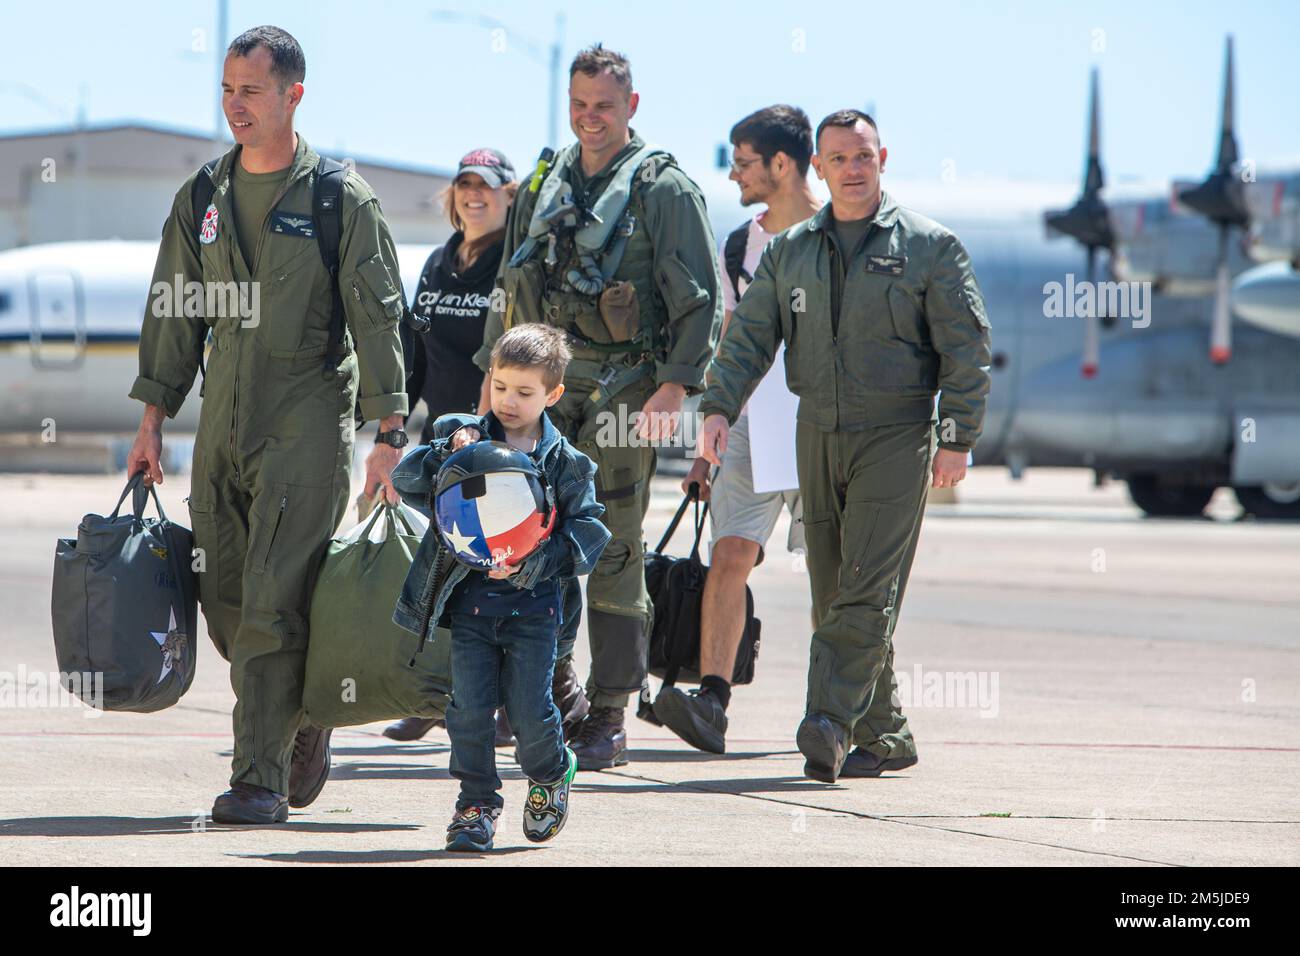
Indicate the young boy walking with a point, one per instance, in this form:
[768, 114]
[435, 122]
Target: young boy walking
[505, 620]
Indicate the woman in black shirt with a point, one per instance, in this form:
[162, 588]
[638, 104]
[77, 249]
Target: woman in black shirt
[455, 287]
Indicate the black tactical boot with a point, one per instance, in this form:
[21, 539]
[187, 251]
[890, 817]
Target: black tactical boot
[311, 765]
[569, 696]
[697, 717]
[823, 742]
[862, 763]
[600, 741]
[248, 803]
[412, 728]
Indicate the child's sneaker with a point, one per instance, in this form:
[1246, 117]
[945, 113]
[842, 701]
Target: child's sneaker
[471, 829]
[547, 806]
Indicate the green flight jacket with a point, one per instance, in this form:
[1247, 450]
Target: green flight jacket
[291, 330]
[670, 258]
[869, 344]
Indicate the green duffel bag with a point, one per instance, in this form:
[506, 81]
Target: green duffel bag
[361, 667]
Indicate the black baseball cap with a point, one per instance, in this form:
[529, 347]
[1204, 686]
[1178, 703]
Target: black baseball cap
[491, 164]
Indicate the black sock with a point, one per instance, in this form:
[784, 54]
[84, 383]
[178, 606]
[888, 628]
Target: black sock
[718, 687]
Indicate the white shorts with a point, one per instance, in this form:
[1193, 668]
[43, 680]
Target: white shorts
[736, 510]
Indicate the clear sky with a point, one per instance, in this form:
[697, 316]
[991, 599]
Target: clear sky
[987, 88]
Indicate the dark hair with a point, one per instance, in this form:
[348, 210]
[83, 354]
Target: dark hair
[595, 60]
[534, 345]
[287, 62]
[847, 119]
[777, 129]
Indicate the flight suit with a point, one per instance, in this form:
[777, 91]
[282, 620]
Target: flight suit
[670, 260]
[273, 452]
[870, 335]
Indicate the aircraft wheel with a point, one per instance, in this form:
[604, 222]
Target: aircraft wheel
[1274, 500]
[1162, 497]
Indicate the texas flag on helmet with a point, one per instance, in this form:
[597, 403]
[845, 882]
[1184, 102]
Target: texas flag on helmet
[490, 507]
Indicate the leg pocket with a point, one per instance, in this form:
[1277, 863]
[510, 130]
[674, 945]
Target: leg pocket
[290, 530]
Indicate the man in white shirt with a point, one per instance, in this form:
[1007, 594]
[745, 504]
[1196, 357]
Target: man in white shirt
[771, 152]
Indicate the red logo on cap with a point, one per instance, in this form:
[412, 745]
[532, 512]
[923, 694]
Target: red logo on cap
[480, 157]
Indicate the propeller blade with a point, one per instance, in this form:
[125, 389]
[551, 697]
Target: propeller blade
[1088, 220]
[1221, 324]
[1221, 197]
[1091, 335]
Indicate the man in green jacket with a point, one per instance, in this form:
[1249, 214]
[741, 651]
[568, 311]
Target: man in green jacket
[273, 453]
[878, 308]
[612, 245]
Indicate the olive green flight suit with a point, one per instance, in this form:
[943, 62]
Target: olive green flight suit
[870, 335]
[273, 452]
[670, 260]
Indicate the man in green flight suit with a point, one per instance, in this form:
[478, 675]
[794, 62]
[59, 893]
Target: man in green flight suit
[878, 308]
[273, 453]
[611, 244]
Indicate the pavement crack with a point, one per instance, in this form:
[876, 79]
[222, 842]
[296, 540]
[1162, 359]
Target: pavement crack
[898, 821]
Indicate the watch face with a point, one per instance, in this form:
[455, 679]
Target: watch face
[395, 438]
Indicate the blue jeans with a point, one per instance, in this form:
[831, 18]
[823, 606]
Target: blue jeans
[502, 662]
[571, 616]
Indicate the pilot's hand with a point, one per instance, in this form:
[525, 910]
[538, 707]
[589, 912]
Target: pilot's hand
[379, 472]
[712, 443]
[699, 474]
[145, 455]
[949, 468]
[661, 413]
[464, 437]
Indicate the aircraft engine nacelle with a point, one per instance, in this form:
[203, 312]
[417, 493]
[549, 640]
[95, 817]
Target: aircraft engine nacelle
[1160, 243]
[1268, 296]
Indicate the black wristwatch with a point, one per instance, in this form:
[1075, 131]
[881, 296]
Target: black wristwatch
[397, 438]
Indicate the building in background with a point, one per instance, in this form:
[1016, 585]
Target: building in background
[117, 181]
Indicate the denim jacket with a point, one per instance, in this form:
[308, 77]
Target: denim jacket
[572, 548]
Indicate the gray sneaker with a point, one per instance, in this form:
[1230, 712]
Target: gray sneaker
[547, 806]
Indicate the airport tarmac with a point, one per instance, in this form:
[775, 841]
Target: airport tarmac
[1086, 687]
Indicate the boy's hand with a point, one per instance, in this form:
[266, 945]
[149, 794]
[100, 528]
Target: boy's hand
[502, 571]
[465, 436]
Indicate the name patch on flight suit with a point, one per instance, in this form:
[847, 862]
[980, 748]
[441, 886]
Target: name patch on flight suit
[287, 224]
[886, 265]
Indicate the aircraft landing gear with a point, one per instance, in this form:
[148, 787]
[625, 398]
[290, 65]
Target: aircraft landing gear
[1278, 499]
[1165, 497]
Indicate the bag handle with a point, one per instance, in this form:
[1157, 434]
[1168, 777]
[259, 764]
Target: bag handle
[693, 494]
[392, 517]
[139, 497]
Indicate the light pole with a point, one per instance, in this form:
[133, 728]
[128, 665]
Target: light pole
[549, 55]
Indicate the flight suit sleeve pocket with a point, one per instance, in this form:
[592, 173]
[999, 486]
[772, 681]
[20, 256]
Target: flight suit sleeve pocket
[678, 287]
[974, 302]
[380, 299]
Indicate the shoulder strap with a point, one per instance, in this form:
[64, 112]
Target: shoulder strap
[733, 257]
[327, 210]
[201, 190]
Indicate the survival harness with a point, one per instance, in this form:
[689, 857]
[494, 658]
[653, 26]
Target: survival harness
[599, 235]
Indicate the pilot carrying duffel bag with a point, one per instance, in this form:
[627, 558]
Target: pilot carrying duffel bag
[125, 605]
[361, 667]
[676, 587]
